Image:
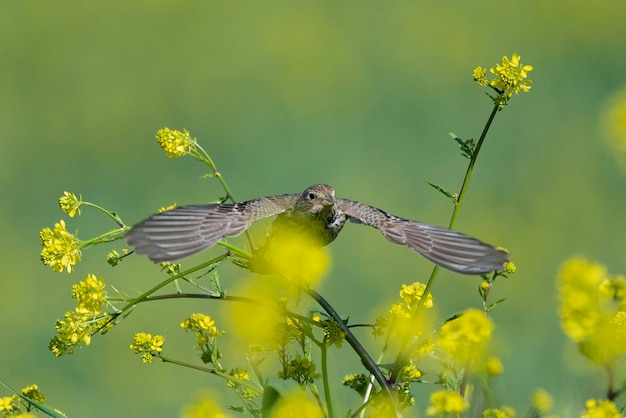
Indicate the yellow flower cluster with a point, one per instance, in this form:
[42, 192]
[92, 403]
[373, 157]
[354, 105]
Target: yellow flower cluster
[593, 310]
[14, 406]
[600, 409]
[296, 404]
[465, 338]
[411, 296]
[503, 412]
[61, 250]
[445, 403]
[175, 143]
[206, 335]
[301, 369]
[334, 333]
[148, 345]
[70, 204]
[79, 325]
[542, 402]
[90, 295]
[510, 77]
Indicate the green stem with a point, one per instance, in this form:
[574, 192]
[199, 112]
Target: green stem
[329, 402]
[470, 168]
[402, 353]
[144, 296]
[214, 371]
[358, 348]
[110, 214]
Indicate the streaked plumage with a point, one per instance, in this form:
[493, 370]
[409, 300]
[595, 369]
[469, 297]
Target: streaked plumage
[186, 230]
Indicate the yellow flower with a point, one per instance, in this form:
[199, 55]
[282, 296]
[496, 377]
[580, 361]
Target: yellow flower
[148, 345]
[445, 402]
[61, 250]
[493, 366]
[465, 338]
[479, 76]
[510, 267]
[175, 143]
[410, 372]
[593, 310]
[600, 409]
[511, 75]
[32, 392]
[334, 333]
[6, 404]
[503, 412]
[296, 405]
[412, 294]
[70, 204]
[614, 123]
[205, 406]
[542, 401]
[201, 322]
[297, 257]
[90, 294]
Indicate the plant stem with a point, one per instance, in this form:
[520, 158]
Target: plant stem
[366, 359]
[329, 402]
[401, 358]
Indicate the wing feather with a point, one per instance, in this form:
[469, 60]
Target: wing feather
[186, 230]
[449, 249]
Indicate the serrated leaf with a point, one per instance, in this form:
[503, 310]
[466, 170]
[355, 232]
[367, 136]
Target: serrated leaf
[494, 304]
[466, 146]
[442, 191]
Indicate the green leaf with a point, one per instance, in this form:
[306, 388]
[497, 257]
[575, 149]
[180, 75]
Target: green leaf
[270, 398]
[496, 303]
[443, 191]
[466, 147]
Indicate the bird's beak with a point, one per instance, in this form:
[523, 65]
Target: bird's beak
[329, 199]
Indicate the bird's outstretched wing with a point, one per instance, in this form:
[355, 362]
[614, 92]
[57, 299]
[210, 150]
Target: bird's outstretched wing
[186, 230]
[449, 249]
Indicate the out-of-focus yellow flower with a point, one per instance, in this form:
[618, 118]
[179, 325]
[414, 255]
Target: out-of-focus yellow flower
[593, 310]
[444, 403]
[175, 143]
[465, 338]
[298, 257]
[502, 412]
[296, 405]
[493, 366]
[205, 406]
[614, 123]
[70, 204]
[511, 75]
[61, 250]
[542, 401]
[600, 409]
[258, 323]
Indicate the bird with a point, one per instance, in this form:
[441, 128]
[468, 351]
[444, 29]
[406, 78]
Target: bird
[186, 230]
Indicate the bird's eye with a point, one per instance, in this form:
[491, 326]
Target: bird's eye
[311, 196]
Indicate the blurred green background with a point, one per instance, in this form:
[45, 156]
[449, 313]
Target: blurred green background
[360, 95]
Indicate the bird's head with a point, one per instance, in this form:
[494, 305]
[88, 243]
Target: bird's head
[318, 198]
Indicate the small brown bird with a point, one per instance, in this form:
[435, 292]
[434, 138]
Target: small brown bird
[185, 230]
